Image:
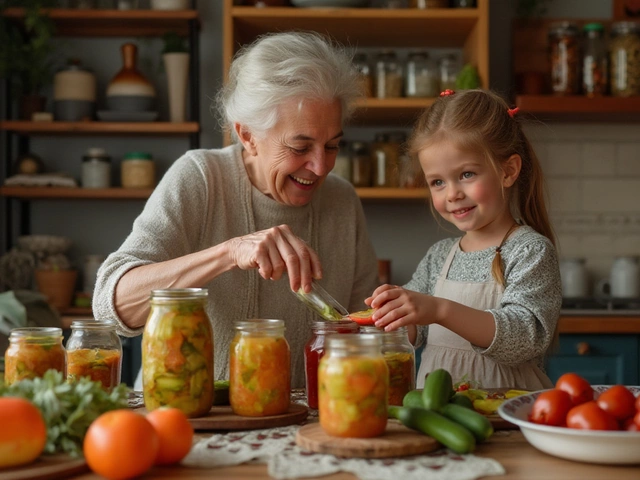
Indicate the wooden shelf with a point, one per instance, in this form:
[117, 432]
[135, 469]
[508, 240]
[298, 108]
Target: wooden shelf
[400, 111]
[48, 193]
[419, 194]
[599, 324]
[578, 107]
[99, 128]
[114, 23]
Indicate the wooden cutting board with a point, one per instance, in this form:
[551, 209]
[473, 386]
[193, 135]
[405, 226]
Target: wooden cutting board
[397, 441]
[47, 467]
[223, 418]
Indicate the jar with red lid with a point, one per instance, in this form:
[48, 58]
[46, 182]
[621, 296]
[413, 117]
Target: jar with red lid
[314, 350]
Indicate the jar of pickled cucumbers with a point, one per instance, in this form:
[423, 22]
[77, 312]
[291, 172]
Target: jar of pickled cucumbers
[177, 352]
[401, 361]
[314, 351]
[259, 369]
[94, 350]
[353, 383]
[31, 352]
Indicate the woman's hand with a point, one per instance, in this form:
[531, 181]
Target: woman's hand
[397, 307]
[275, 251]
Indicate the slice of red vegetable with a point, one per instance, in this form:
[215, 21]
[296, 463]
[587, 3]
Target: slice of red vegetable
[363, 317]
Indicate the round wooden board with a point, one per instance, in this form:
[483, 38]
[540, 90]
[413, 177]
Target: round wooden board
[397, 441]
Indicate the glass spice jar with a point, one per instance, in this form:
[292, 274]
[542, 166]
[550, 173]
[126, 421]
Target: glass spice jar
[365, 75]
[401, 361]
[32, 351]
[564, 58]
[384, 154]
[94, 350]
[421, 79]
[389, 77]
[624, 54]
[177, 352]
[96, 169]
[138, 170]
[353, 384]
[259, 369]
[314, 351]
[360, 165]
[594, 61]
[342, 167]
[448, 67]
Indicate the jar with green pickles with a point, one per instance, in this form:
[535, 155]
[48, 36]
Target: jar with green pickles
[177, 352]
[353, 382]
[401, 361]
[32, 351]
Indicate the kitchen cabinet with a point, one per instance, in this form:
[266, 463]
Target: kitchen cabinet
[461, 28]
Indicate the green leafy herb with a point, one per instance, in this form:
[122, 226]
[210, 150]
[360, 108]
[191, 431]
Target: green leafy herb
[68, 408]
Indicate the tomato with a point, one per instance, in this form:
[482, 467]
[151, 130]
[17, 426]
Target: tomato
[636, 419]
[364, 317]
[589, 416]
[551, 408]
[23, 434]
[618, 401]
[576, 386]
[174, 432]
[120, 444]
[638, 403]
[630, 425]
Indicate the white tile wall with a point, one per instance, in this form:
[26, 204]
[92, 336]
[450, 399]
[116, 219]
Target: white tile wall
[593, 179]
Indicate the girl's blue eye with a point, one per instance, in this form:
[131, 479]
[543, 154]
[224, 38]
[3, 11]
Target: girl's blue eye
[468, 174]
[437, 183]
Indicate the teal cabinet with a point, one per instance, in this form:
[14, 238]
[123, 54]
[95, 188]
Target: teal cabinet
[602, 359]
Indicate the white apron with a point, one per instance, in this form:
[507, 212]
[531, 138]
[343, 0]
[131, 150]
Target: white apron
[450, 351]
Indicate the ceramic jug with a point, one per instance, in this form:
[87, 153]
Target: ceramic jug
[625, 278]
[74, 93]
[129, 90]
[573, 274]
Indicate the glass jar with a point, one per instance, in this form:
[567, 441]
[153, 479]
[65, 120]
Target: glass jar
[177, 352]
[388, 75]
[361, 168]
[564, 58]
[384, 155]
[96, 169]
[353, 383]
[94, 350]
[90, 272]
[401, 361]
[342, 167]
[361, 64]
[448, 67]
[624, 52]
[138, 170]
[421, 79]
[594, 61]
[314, 351]
[259, 369]
[429, 4]
[31, 352]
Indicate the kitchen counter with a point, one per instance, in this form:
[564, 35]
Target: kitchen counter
[599, 321]
[520, 460]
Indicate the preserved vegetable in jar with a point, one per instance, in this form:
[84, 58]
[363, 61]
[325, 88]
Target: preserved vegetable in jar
[314, 351]
[31, 352]
[401, 361]
[594, 69]
[177, 352]
[259, 369]
[564, 58]
[353, 381]
[94, 350]
[624, 52]
[389, 77]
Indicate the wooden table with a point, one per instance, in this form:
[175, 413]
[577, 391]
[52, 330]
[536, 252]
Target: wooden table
[520, 460]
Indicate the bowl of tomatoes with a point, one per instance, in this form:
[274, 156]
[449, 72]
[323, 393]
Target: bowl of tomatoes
[581, 422]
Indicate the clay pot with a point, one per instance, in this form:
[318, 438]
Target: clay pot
[58, 286]
[129, 90]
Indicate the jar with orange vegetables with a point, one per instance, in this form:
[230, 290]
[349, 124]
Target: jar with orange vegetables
[94, 350]
[401, 361]
[259, 369]
[177, 352]
[353, 382]
[31, 352]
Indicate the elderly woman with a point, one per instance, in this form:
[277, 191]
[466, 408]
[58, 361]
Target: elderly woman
[265, 206]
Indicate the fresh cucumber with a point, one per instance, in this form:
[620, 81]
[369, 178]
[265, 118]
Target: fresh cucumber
[413, 399]
[475, 422]
[450, 434]
[462, 400]
[437, 389]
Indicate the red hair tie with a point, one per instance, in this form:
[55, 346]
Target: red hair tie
[512, 111]
[447, 92]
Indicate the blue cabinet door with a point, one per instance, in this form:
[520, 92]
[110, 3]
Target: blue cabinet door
[600, 359]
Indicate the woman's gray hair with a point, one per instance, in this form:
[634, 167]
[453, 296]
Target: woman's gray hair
[281, 66]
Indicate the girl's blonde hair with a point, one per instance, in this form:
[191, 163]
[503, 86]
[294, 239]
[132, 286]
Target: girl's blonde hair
[479, 121]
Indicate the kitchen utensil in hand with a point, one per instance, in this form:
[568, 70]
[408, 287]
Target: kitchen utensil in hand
[321, 302]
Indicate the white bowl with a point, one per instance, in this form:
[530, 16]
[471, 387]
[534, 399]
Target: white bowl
[592, 446]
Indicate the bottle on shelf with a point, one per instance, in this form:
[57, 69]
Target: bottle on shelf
[389, 78]
[624, 51]
[564, 58]
[594, 60]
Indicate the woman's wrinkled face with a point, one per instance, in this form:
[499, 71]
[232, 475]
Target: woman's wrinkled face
[292, 159]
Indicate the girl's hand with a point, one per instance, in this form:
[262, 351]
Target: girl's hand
[275, 251]
[397, 307]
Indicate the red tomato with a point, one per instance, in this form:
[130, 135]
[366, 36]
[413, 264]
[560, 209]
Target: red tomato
[576, 386]
[638, 403]
[589, 416]
[618, 401]
[362, 317]
[636, 419]
[630, 425]
[551, 408]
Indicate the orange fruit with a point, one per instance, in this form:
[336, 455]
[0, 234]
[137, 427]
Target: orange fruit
[23, 434]
[174, 432]
[120, 444]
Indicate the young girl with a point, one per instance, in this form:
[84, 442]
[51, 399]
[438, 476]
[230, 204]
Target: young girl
[491, 298]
